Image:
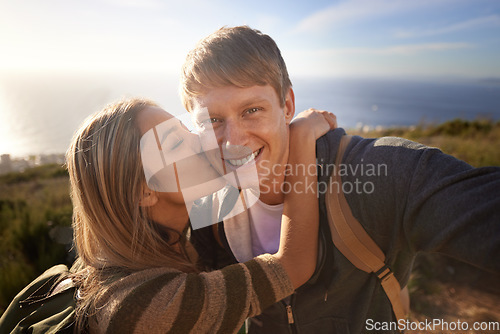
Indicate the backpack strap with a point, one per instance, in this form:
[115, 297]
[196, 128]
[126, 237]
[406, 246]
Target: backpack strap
[353, 241]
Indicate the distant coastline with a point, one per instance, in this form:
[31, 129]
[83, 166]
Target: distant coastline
[39, 113]
[474, 141]
[495, 81]
[9, 164]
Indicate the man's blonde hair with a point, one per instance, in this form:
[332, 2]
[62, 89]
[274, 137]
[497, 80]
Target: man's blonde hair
[237, 56]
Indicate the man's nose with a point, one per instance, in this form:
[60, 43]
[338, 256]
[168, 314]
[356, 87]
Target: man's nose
[234, 134]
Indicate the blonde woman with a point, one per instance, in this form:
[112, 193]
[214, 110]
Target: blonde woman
[137, 270]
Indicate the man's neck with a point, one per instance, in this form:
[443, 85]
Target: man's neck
[271, 189]
[272, 198]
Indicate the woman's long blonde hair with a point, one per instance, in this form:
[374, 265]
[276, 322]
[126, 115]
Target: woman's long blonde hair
[112, 232]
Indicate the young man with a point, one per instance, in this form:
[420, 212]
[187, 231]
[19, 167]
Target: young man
[408, 197]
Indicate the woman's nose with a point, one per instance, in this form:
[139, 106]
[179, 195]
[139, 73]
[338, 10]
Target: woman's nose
[194, 142]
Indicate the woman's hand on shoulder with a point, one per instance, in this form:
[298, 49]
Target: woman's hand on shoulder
[313, 122]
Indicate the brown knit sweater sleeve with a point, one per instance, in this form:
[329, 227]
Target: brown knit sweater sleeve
[168, 301]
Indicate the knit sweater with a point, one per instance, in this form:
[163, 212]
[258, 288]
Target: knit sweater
[163, 300]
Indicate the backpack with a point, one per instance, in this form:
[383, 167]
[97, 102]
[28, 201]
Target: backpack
[357, 246]
[46, 305]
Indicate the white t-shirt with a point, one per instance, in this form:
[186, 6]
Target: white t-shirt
[265, 227]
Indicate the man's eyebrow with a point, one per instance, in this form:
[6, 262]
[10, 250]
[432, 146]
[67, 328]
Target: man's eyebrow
[253, 100]
[200, 115]
[197, 110]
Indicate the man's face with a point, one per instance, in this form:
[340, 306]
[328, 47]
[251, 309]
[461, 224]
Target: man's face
[248, 123]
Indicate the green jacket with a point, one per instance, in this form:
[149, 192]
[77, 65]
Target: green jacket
[40, 308]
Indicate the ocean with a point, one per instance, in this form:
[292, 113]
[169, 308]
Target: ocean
[40, 112]
[390, 102]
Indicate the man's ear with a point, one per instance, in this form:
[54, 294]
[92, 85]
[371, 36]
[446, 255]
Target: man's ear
[289, 109]
[148, 198]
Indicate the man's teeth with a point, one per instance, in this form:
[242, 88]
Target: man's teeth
[244, 160]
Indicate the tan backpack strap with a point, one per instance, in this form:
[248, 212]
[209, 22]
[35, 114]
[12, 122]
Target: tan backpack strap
[353, 242]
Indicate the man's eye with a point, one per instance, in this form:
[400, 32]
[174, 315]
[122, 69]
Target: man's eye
[252, 110]
[210, 121]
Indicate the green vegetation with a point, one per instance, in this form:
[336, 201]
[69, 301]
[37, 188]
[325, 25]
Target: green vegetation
[35, 214]
[35, 207]
[476, 142]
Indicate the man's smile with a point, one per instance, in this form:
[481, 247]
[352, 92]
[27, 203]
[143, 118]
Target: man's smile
[244, 160]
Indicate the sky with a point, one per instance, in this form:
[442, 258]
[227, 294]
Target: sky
[448, 38]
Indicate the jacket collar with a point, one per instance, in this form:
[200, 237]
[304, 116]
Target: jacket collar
[233, 210]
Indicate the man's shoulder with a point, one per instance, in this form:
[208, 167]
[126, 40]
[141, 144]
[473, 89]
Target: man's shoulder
[330, 138]
[361, 148]
[326, 145]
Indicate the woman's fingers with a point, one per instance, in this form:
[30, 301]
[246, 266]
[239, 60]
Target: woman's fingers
[331, 119]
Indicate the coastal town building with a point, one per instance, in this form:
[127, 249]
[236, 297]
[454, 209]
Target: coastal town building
[8, 164]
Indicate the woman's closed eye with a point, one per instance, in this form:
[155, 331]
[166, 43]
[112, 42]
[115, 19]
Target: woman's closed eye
[177, 144]
[172, 141]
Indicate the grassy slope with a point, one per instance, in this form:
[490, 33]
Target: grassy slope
[476, 142]
[35, 213]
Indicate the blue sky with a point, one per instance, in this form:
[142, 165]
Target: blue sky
[317, 38]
